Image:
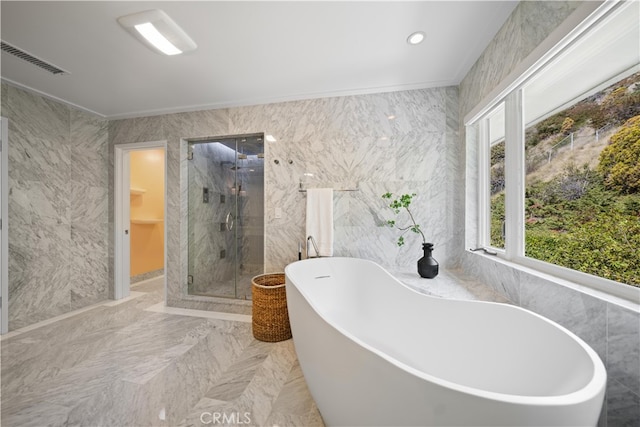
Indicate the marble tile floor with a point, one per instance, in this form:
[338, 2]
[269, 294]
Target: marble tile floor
[129, 364]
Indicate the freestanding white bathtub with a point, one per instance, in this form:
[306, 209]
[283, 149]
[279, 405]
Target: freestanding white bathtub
[375, 352]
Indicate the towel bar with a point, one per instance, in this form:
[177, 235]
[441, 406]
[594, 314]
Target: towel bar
[304, 190]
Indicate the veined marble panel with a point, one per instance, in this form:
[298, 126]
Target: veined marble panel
[36, 204]
[471, 183]
[286, 121]
[4, 95]
[496, 62]
[375, 115]
[392, 140]
[419, 156]
[281, 246]
[285, 195]
[58, 210]
[176, 268]
[623, 349]
[88, 267]
[36, 295]
[455, 168]
[197, 124]
[529, 24]
[89, 207]
[89, 150]
[22, 107]
[37, 158]
[139, 129]
[540, 18]
[39, 253]
[622, 406]
[586, 316]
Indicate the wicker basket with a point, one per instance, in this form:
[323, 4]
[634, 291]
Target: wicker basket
[270, 316]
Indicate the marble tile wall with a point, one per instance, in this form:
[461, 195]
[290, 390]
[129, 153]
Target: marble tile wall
[350, 142]
[613, 330]
[344, 141]
[529, 24]
[58, 218]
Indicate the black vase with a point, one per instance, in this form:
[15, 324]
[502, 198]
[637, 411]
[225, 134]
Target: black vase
[427, 266]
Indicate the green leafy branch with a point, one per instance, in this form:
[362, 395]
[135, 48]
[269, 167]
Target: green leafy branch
[397, 205]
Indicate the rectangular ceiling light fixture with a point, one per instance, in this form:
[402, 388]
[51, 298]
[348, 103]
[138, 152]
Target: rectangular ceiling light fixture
[158, 31]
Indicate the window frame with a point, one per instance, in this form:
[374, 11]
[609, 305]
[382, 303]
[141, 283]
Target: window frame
[515, 173]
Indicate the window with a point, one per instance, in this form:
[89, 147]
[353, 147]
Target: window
[560, 158]
[495, 137]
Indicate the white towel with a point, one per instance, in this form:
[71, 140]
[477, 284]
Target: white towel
[320, 220]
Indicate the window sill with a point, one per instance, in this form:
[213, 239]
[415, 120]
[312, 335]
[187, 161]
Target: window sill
[630, 301]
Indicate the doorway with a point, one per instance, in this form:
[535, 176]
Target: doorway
[146, 210]
[4, 226]
[140, 212]
[225, 215]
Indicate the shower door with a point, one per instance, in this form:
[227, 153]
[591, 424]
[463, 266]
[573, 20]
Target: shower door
[225, 215]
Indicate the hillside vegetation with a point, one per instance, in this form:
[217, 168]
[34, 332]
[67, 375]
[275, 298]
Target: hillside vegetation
[583, 186]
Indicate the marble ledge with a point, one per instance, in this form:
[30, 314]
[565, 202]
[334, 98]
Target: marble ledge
[449, 284]
[161, 308]
[106, 303]
[630, 303]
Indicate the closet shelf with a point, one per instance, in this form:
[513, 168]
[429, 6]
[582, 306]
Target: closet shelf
[137, 191]
[146, 221]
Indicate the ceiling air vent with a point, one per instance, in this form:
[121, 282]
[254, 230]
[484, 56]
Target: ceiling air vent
[6, 47]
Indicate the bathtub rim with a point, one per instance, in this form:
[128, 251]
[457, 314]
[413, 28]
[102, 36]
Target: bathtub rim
[594, 387]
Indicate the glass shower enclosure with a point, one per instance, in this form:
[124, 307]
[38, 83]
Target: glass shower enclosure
[225, 215]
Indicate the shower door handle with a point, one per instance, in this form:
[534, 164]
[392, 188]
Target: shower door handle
[229, 221]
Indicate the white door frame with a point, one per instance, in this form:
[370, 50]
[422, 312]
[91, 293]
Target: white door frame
[4, 229]
[122, 227]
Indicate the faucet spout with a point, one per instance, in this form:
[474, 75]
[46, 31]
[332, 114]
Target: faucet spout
[315, 247]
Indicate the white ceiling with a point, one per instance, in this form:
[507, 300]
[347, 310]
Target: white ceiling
[248, 52]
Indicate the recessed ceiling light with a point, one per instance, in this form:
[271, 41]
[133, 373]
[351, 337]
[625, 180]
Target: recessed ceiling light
[158, 31]
[270, 138]
[416, 38]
